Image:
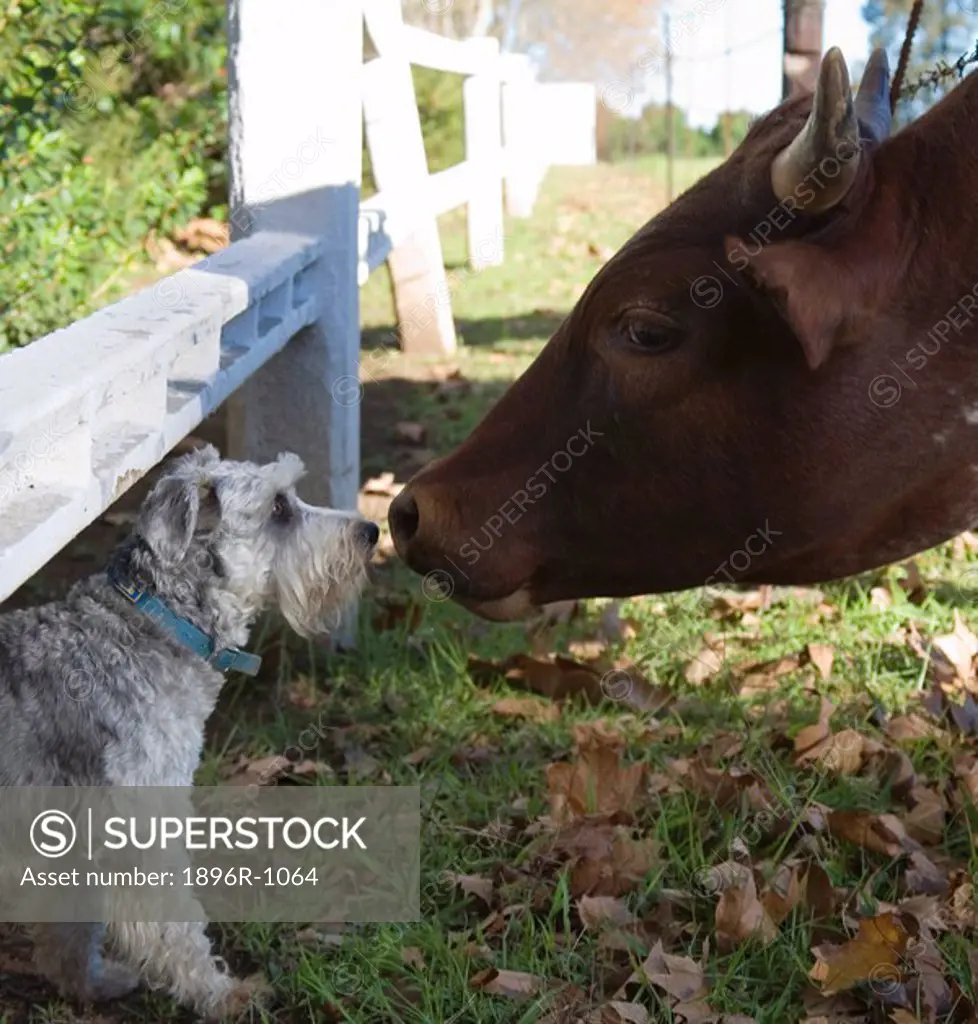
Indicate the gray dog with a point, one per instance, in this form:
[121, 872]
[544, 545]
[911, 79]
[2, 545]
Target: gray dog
[114, 685]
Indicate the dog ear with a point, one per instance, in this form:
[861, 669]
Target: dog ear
[169, 515]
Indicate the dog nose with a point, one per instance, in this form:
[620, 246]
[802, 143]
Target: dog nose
[370, 533]
[404, 518]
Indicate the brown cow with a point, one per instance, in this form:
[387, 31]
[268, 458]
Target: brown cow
[768, 383]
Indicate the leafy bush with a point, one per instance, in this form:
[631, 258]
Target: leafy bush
[112, 126]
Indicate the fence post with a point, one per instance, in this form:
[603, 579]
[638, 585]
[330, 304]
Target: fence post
[422, 297]
[484, 154]
[294, 70]
[523, 159]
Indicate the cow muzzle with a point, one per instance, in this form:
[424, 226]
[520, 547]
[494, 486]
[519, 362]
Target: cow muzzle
[486, 571]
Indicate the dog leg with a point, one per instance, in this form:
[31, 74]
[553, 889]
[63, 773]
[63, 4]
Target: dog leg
[177, 958]
[70, 957]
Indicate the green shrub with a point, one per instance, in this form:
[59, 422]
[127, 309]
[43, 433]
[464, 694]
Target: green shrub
[112, 125]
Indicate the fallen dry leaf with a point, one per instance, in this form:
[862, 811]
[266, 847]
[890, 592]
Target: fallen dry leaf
[679, 976]
[533, 709]
[413, 957]
[596, 783]
[412, 433]
[958, 649]
[811, 736]
[510, 984]
[822, 657]
[880, 833]
[264, 771]
[875, 953]
[740, 916]
[472, 885]
[601, 858]
[601, 911]
[418, 756]
[704, 665]
[911, 728]
[925, 821]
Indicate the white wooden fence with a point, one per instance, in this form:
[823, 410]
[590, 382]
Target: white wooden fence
[272, 322]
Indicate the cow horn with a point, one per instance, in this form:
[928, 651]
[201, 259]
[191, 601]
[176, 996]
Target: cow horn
[826, 150]
[873, 98]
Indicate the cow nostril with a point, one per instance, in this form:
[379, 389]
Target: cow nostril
[404, 517]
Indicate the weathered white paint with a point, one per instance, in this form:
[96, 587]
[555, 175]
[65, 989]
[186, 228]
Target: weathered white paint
[484, 153]
[524, 158]
[88, 410]
[295, 143]
[400, 169]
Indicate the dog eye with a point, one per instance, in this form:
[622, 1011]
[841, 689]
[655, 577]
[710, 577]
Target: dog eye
[281, 510]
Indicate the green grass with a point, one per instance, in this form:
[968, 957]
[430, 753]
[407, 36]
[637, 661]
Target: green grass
[403, 690]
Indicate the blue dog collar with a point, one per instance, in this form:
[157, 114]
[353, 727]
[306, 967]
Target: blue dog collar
[184, 632]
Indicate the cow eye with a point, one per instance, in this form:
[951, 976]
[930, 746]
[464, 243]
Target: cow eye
[652, 332]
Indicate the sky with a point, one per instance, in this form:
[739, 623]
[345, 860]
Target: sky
[706, 83]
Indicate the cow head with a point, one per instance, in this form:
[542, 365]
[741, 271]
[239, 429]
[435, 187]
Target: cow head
[701, 414]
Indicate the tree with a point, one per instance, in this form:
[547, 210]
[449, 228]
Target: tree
[947, 29]
[583, 40]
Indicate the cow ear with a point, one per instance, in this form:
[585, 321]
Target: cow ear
[808, 286]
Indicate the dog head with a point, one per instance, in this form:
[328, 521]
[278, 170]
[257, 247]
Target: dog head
[237, 536]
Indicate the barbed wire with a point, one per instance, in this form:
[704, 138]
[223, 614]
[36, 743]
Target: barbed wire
[939, 74]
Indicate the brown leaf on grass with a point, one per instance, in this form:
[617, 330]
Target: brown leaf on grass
[509, 984]
[472, 885]
[912, 584]
[418, 756]
[560, 679]
[596, 783]
[822, 657]
[679, 976]
[880, 598]
[876, 952]
[819, 892]
[563, 679]
[598, 912]
[786, 891]
[911, 729]
[958, 649]
[763, 676]
[723, 788]
[618, 1012]
[600, 858]
[924, 876]
[413, 957]
[925, 822]
[740, 916]
[811, 736]
[880, 833]
[412, 433]
[533, 709]
[704, 665]
[265, 771]
[843, 753]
